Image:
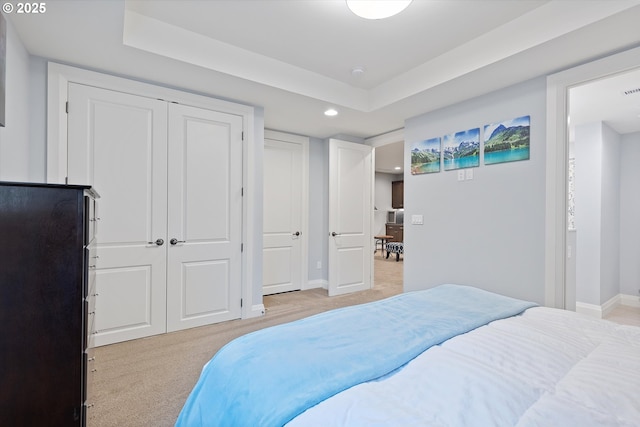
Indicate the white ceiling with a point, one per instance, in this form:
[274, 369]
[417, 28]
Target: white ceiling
[614, 100]
[390, 158]
[294, 57]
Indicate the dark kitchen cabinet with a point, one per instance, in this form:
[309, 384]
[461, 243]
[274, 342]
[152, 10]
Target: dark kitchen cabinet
[397, 195]
[395, 230]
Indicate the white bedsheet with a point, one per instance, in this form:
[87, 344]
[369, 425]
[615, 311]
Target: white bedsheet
[546, 367]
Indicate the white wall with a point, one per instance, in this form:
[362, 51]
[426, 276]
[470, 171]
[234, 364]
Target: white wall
[14, 137]
[610, 250]
[318, 211]
[588, 218]
[37, 119]
[597, 154]
[256, 200]
[489, 231]
[630, 214]
[570, 291]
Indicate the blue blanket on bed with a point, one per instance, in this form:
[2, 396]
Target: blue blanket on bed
[268, 377]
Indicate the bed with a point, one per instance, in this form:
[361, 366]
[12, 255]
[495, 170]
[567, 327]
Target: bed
[448, 356]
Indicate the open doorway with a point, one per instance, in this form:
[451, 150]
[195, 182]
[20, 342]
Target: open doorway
[602, 277]
[388, 217]
[557, 148]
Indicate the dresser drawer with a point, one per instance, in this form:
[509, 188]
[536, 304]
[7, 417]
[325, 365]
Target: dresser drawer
[91, 324]
[92, 220]
[90, 372]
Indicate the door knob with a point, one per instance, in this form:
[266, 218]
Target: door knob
[158, 242]
[297, 233]
[334, 234]
[175, 241]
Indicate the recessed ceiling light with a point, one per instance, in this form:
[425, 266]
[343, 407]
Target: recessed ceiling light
[377, 9]
[397, 168]
[331, 112]
[357, 72]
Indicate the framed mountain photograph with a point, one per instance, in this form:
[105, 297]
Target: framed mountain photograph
[461, 149]
[507, 141]
[425, 156]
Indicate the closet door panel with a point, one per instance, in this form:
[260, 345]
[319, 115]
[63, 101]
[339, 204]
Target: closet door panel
[282, 216]
[118, 143]
[204, 217]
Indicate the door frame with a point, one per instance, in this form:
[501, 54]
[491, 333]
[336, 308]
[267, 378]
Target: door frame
[58, 78]
[303, 141]
[558, 86]
[379, 141]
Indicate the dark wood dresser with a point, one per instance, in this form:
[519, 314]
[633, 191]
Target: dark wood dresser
[47, 263]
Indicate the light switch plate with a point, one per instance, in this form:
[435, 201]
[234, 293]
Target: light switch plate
[417, 220]
[469, 173]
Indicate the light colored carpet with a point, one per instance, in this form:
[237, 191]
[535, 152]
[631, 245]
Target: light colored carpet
[145, 382]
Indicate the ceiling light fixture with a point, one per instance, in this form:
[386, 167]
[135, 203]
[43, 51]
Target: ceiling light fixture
[397, 168]
[331, 112]
[357, 72]
[377, 9]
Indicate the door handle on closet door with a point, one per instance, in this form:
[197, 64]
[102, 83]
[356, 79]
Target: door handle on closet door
[158, 242]
[175, 241]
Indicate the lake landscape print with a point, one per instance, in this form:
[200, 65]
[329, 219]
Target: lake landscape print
[507, 141]
[462, 149]
[425, 156]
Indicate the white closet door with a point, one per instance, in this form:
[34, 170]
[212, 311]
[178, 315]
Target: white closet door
[350, 217]
[282, 221]
[204, 214]
[117, 143]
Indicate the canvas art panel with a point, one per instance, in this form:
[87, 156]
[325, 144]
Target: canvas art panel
[507, 141]
[461, 149]
[425, 156]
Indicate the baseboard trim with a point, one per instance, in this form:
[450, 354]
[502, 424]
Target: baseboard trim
[608, 306]
[591, 310]
[630, 300]
[601, 311]
[257, 310]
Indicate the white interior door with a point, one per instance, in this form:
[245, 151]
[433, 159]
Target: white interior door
[117, 143]
[350, 217]
[204, 217]
[283, 215]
